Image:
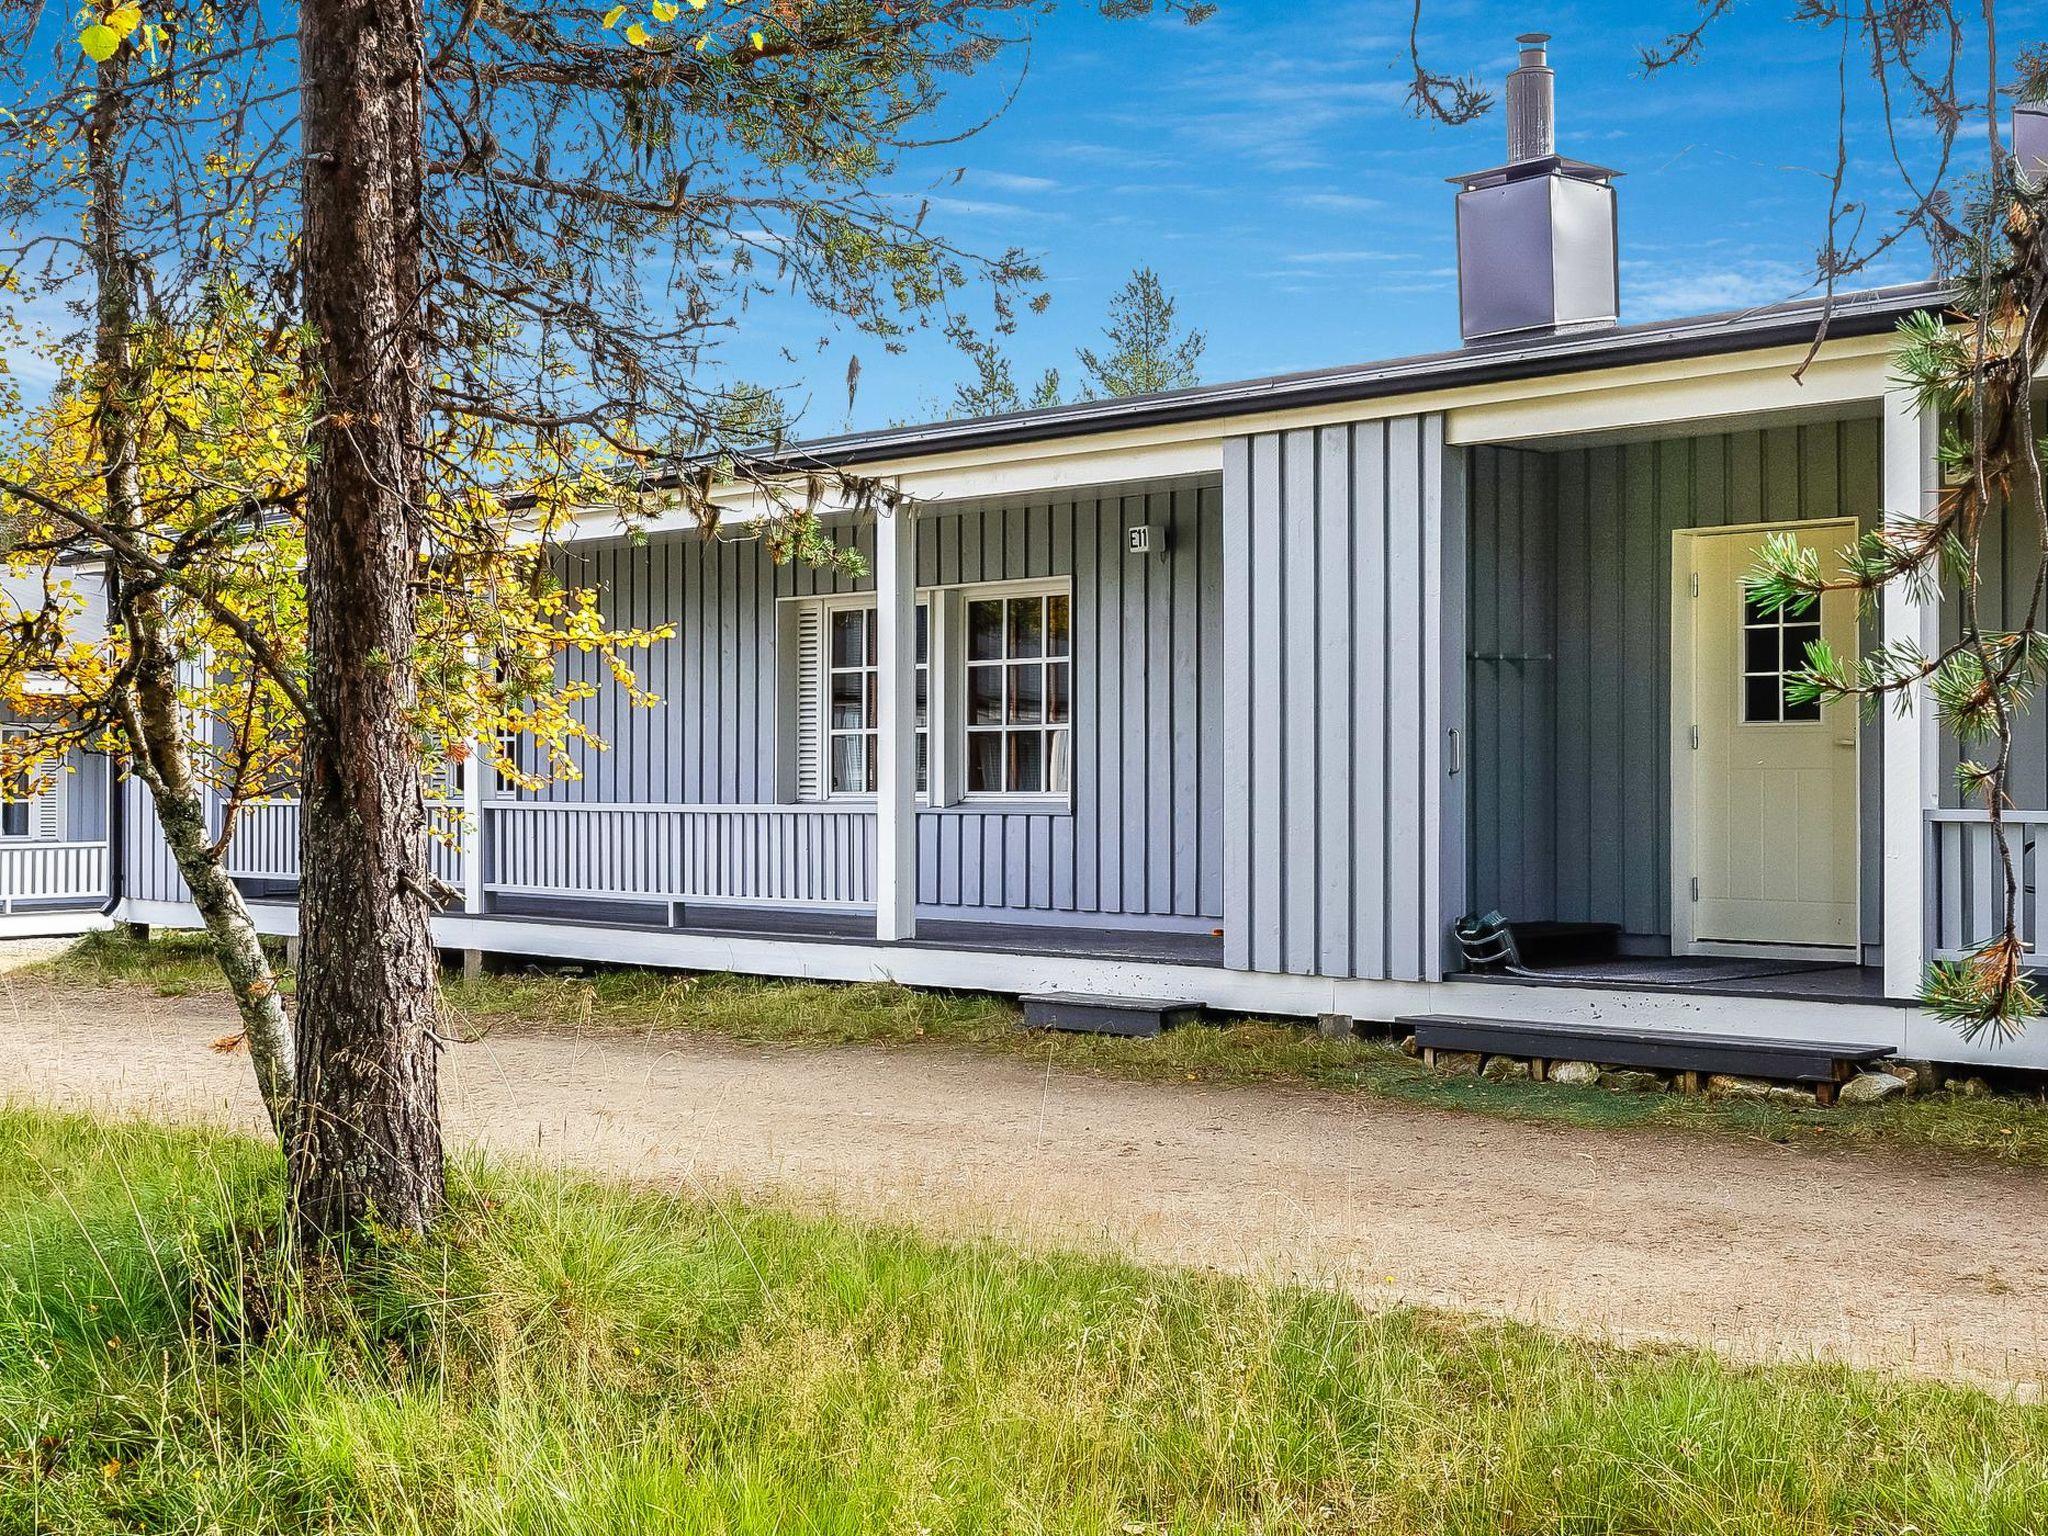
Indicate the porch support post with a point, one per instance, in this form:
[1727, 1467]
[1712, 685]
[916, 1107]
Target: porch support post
[1912, 757]
[473, 828]
[896, 725]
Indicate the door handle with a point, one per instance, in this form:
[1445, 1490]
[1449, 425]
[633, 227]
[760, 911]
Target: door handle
[1845, 741]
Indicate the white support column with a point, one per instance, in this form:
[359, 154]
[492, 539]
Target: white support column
[896, 732]
[1912, 757]
[473, 827]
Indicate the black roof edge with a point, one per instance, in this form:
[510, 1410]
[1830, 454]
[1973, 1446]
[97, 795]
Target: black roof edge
[1854, 314]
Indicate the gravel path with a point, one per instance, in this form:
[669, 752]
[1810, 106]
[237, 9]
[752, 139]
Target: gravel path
[1760, 1250]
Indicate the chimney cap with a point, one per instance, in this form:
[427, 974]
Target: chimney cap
[1533, 39]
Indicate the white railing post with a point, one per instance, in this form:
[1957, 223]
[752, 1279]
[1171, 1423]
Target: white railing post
[896, 728]
[1912, 757]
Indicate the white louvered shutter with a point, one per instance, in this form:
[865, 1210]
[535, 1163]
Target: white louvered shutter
[46, 813]
[810, 702]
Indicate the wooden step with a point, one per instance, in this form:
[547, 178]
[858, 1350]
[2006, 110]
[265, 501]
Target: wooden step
[1088, 1013]
[1820, 1062]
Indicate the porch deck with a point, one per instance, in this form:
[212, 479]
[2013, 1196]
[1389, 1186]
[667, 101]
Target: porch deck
[1708, 975]
[1078, 941]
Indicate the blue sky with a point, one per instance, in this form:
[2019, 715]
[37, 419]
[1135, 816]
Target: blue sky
[1264, 163]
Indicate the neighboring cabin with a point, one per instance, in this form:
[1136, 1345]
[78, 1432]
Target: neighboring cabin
[1247, 693]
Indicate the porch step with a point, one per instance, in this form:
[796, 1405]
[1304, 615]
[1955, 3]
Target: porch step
[1822, 1062]
[1088, 1013]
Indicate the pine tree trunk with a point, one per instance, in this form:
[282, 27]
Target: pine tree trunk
[152, 720]
[366, 1141]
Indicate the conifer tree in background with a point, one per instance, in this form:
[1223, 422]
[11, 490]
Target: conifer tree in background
[1147, 352]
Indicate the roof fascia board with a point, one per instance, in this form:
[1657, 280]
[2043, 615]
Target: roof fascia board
[1662, 393]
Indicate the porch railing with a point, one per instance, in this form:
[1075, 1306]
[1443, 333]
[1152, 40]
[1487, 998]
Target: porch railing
[796, 855]
[784, 855]
[52, 873]
[1966, 884]
[266, 841]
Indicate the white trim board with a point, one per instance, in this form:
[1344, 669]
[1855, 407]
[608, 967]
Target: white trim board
[1906, 1029]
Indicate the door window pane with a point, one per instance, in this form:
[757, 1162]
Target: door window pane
[1774, 642]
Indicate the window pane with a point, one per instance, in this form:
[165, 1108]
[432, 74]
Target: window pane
[1760, 650]
[850, 766]
[1059, 744]
[870, 717]
[985, 630]
[1027, 626]
[1027, 684]
[922, 678]
[1056, 693]
[846, 639]
[923, 634]
[1756, 612]
[846, 700]
[14, 818]
[1027, 761]
[985, 762]
[1810, 710]
[872, 620]
[1797, 638]
[1056, 638]
[984, 695]
[923, 751]
[1760, 697]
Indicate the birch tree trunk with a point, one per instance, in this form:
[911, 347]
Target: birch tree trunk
[151, 718]
[365, 1146]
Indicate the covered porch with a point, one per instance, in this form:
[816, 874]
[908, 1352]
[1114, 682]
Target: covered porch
[1630, 768]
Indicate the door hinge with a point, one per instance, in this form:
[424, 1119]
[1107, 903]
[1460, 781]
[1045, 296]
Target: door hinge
[1695, 583]
[1695, 738]
[1695, 887]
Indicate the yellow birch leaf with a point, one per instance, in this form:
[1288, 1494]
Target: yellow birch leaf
[663, 11]
[759, 40]
[696, 5]
[637, 35]
[703, 41]
[99, 42]
[125, 19]
[611, 17]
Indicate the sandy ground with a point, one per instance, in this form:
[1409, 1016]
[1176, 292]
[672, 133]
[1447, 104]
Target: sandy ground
[1762, 1251]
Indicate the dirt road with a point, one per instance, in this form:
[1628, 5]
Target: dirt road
[1762, 1251]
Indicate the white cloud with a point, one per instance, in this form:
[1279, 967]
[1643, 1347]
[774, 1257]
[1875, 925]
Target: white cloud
[1653, 290]
[1009, 181]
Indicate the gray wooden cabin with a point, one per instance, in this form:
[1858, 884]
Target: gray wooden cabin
[1247, 694]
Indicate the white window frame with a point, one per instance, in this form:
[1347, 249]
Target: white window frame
[45, 807]
[945, 730]
[864, 602]
[958, 738]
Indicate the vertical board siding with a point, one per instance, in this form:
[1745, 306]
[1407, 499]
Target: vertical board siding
[1330, 714]
[1143, 835]
[1569, 664]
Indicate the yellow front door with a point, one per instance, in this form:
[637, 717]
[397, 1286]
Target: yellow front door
[1773, 823]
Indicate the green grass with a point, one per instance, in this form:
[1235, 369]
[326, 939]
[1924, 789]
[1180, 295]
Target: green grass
[571, 1357]
[2011, 1128]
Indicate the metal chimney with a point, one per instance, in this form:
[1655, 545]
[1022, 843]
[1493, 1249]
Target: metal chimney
[1537, 237]
[2030, 140]
[1532, 102]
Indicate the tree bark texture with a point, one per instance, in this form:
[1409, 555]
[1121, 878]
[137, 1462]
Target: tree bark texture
[365, 1150]
[152, 720]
